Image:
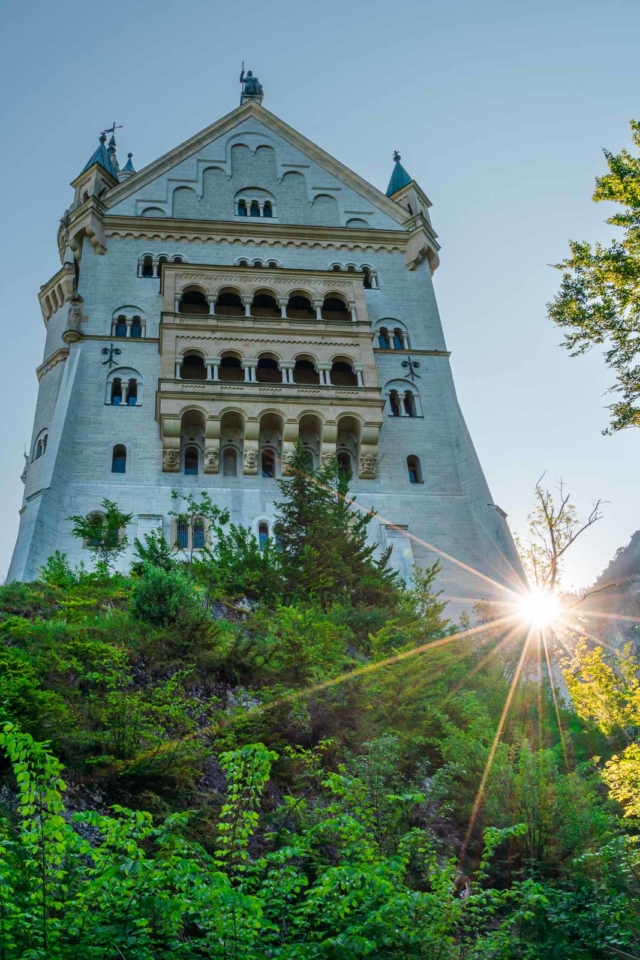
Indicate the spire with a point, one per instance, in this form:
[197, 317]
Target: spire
[112, 152]
[102, 157]
[399, 178]
[128, 170]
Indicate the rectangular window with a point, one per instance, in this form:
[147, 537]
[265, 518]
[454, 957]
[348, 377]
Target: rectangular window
[182, 535]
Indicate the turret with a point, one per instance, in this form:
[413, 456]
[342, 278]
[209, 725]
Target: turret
[406, 191]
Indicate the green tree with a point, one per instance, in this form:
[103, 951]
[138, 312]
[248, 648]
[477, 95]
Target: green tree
[599, 298]
[197, 511]
[326, 554]
[103, 533]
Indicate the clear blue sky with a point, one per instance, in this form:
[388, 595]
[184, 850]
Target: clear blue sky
[500, 111]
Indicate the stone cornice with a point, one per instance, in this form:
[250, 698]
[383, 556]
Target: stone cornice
[279, 127]
[418, 353]
[254, 232]
[57, 357]
[273, 327]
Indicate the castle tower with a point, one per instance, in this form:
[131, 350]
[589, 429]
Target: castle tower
[242, 291]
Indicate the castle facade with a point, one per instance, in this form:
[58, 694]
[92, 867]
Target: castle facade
[241, 292]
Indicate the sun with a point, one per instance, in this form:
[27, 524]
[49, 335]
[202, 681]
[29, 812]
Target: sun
[539, 608]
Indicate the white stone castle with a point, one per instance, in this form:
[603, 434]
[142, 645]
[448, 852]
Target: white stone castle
[242, 291]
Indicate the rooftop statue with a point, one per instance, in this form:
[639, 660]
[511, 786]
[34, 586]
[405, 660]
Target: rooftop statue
[251, 85]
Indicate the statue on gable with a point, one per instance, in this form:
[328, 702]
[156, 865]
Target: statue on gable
[251, 86]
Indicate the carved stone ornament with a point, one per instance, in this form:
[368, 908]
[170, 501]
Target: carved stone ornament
[170, 459]
[328, 459]
[211, 458]
[287, 461]
[250, 459]
[368, 466]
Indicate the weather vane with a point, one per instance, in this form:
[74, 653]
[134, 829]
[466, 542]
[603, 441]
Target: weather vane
[112, 129]
[413, 366]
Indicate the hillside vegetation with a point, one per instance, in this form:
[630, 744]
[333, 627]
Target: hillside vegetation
[276, 751]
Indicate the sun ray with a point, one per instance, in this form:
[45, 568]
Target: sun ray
[494, 650]
[494, 746]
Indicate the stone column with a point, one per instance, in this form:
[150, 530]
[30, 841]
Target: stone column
[143, 331]
[250, 365]
[405, 339]
[318, 305]
[129, 325]
[329, 437]
[283, 301]
[125, 389]
[247, 305]
[178, 368]
[208, 362]
[357, 369]
[176, 303]
[324, 369]
[287, 370]
[352, 310]
[212, 304]
[216, 367]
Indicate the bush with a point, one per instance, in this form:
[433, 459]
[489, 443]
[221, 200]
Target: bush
[163, 597]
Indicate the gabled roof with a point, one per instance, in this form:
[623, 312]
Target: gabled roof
[253, 109]
[399, 178]
[101, 157]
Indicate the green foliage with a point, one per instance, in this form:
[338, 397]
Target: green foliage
[598, 302]
[326, 556]
[155, 551]
[234, 565]
[195, 510]
[163, 597]
[103, 533]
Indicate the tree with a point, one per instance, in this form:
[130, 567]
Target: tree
[323, 541]
[554, 526]
[599, 298]
[103, 533]
[198, 511]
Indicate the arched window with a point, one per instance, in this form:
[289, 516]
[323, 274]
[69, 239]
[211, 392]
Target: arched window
[40, 447]
[243, 263]
[398, 342]
[229, 462]
[177, 259]
[337, 268]
[383, 338]
[136, 327]
[264, 305]
[229, 305]
[344, 462]
[342, 374]
[198, 535]
[268, 464]
[334, 309]
[263, 534]
[147, 267]
[119, 459]
[394, 403]
[267, 209]
[305, 372]
[116, 391]
[300, 308]
[161, 260]
[182, 535]
[194, 302]
[193, 368]
[132, 393]
[271, 263]
[242, 208]
[231, 370]
[121, 326]
[267, 371]
[409, 404]
[255, 209]
[415, 472]
[191, 462]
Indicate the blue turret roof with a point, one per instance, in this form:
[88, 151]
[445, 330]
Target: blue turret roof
[128, 167]
[102, 157]
[399, 178]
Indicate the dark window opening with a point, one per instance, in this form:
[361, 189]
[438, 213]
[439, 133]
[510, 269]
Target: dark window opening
[136, 327]
[147, 267]
[415, 473]
[119, 459]
[198, 535]
[344, 462]
[265, 305]
[191, 462]
[193, 368]
[132, 393]
[231, 369]
[229, 463]
[398, 342]
[255, 208]
[342, 375]
[263, 535]
[394, 403]
[409, 404]
[194, 302]
[242, 208]
[300, 308]
[334, 309]
[305, 372]
[229, 305]
[267, 209]
[121, 327]
[267, 371]
[116, 391]
[383, 339]
[268, 464]
[182, 535]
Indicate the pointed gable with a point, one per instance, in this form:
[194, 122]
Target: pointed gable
[254, 156]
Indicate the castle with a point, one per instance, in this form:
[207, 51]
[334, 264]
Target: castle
[241, 292]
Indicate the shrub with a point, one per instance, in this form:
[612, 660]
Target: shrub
[162, 597]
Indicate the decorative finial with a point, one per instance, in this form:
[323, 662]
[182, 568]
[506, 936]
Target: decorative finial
[396, 156]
